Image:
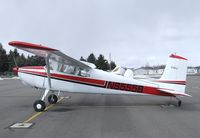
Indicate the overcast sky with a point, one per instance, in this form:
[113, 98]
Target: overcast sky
[135, 32]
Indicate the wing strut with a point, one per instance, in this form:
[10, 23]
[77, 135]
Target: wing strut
[48, 71]
[39, 105]
[48, 77]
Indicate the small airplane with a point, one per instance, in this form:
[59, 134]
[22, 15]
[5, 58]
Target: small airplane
[65, 74]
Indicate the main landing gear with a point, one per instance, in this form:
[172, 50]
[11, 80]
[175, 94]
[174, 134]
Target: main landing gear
[39, 105]
[52, 99]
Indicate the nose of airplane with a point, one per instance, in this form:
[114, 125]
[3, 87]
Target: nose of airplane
[15, 70]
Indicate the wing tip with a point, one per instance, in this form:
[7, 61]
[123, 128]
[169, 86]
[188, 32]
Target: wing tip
[30, 45]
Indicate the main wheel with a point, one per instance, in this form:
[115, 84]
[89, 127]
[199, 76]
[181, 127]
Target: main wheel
[39, 105]
[52, 99]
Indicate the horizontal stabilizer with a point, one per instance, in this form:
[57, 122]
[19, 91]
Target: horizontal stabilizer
[174, 92]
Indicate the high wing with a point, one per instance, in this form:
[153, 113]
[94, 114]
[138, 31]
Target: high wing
[44, 51]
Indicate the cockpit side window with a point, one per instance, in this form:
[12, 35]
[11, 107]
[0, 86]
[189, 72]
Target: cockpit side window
[60, 65]
[68, 69]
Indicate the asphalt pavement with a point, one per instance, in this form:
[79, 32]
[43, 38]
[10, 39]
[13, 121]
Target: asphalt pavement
[100, 116]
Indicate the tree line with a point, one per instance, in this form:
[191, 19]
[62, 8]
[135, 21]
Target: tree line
[15, 59]
[100, 62]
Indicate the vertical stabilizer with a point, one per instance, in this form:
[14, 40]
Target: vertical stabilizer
[174, 75]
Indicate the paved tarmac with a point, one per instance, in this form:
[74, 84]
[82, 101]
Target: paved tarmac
[100, 116]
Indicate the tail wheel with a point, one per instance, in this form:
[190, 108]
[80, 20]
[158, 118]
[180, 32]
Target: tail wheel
[39, 105]
[179, 103]
[52, 99]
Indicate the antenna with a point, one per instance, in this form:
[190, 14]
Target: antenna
[110, 60]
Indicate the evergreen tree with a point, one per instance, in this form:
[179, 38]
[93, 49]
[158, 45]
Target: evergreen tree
[13, 57]
[91, 58]
[3, 60]
[15, 53]
[82, 59]
[21, 60]
[102, 63]
[112, 65]
[40, 61]
[10, 60]
[35, 61]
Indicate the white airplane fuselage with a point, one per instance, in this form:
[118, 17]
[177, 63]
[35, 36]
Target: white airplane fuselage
[66, 74]
[98, 81]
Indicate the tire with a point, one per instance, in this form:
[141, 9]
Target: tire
[39, 105]
[52, 99]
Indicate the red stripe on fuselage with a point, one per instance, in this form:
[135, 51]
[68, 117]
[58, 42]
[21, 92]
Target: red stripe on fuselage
[155, 91]
[32, 67]
[79, 79]
[67, 77]
[101, 83]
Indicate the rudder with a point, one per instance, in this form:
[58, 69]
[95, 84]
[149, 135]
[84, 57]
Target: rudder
[174, 75]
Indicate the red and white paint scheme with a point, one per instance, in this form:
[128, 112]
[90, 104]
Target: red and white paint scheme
[63, 73]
